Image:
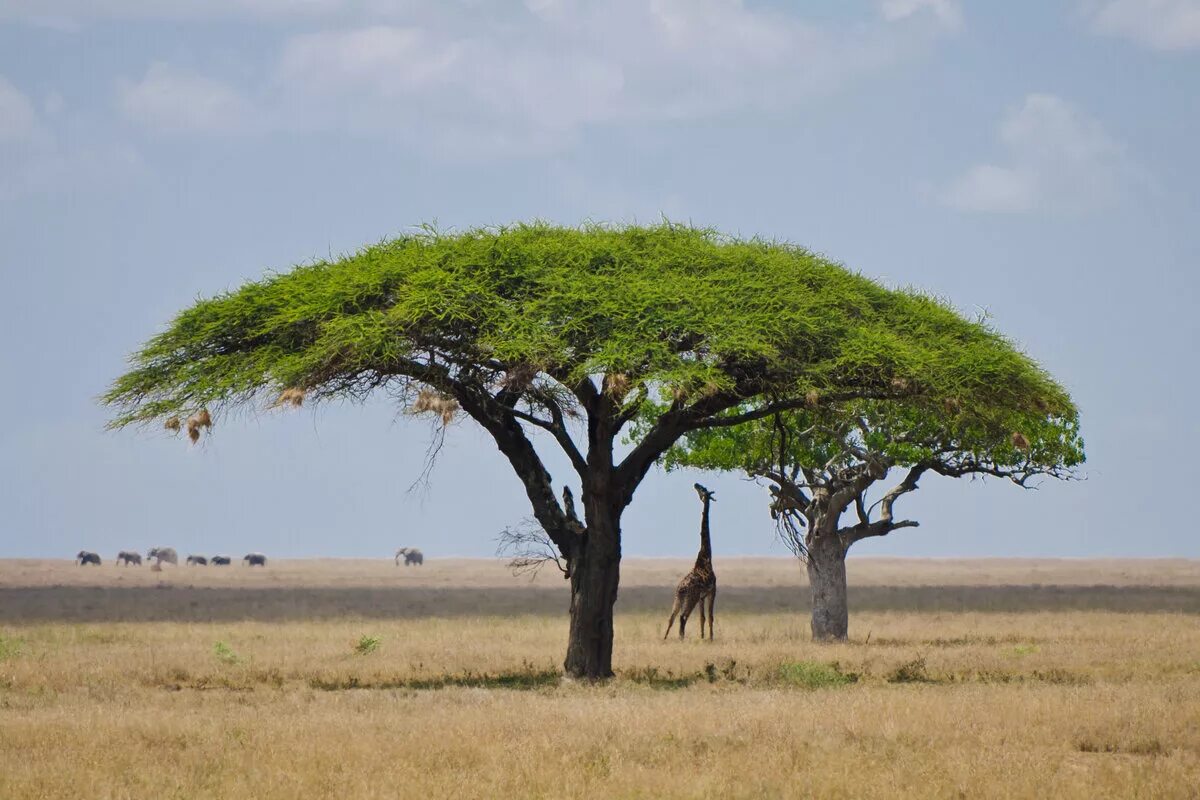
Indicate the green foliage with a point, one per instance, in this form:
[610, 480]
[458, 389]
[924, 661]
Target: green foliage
[815, 675]
[367, 645]
[225, 653]
[679, 311]
[902, 432]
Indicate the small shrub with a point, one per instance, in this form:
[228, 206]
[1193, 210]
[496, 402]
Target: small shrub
[225, 653]
[815, 675]
[367, 645]
[911, 672]
[1025, 649]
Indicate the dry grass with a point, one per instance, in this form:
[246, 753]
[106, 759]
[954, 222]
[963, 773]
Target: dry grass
[362, 679]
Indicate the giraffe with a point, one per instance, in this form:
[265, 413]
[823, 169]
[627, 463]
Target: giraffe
[699, 585]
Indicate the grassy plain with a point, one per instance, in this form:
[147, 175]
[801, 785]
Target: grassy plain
[340, 679]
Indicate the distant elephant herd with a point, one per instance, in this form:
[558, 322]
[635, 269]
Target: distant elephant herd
[411, 555]
[161, 555]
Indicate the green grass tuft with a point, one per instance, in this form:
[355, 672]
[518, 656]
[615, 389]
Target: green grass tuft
[225, 653]
[367, 645]
[815, 675]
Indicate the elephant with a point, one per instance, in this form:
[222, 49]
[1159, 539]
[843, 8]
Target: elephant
[161, 554]
[411, 556]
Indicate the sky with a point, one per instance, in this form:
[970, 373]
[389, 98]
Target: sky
[1035, 161]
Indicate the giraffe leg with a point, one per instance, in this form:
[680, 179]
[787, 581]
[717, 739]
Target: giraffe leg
[702, 619]
[674, 613]
[688, 605]
[712, 599]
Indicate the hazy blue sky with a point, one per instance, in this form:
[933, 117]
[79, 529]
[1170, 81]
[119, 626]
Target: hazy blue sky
[1037, 160]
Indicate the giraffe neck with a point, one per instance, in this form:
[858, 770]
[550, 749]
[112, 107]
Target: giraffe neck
[704, 557]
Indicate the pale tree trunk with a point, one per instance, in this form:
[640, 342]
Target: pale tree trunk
[827, 579]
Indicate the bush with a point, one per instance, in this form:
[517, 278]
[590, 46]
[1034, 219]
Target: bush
[225, 653]
[367, 645]
[911, 672]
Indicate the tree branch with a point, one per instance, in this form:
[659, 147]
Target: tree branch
[879, 528]
[909, 484]
[786, 405]
[558, 429]
[500, 421]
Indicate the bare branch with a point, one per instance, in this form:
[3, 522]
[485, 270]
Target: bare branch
[499, 421]
[790, 528]
[530, 548]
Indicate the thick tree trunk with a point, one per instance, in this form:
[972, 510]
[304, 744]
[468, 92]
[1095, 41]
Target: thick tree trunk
[827, 578]
[595, 574]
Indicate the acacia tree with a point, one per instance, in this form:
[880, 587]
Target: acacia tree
[561, 337]
[822, 462]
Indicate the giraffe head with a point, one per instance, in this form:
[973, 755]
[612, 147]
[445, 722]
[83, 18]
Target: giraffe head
[705, 494]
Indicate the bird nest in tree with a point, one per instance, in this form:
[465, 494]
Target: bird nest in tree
[618, 385]
[693, 391]
[520, 377]
[201, 419]
[429, 401]
[290, 397]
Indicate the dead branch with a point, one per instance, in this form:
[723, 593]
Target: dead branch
[529, 548]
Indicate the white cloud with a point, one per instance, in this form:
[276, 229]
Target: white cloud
[530, 78]
[1158, 24]
[171, 100]
[947, 12]
[987, 187]
[18, 119]
[388, 60]
[36, 158]
[1057, 158]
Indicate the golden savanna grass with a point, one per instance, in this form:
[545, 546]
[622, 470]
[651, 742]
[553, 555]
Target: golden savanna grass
[991, 678]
